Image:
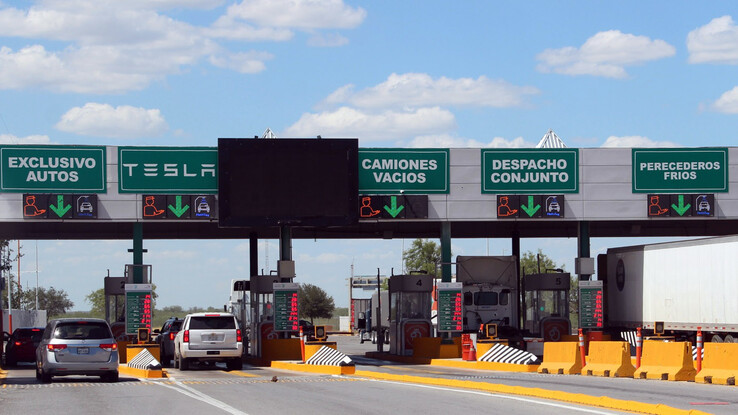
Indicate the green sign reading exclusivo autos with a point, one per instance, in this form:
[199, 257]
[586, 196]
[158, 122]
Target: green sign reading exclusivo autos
[530, 171]
[49, 168]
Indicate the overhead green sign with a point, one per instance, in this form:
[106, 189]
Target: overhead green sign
[554, 170]
[680, 170]
[392, 170]
[168, 170]
[49, 168]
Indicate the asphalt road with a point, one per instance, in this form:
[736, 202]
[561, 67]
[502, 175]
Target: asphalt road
[254, 390]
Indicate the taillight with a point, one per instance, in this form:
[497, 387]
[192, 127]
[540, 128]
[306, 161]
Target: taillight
[17, 343]
[109, 347]
[55, 347]
[238, 335]
[186, 337]
[172, 335]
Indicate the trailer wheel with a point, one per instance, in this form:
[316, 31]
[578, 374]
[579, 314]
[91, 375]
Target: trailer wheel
[730, 339]
[716, 338]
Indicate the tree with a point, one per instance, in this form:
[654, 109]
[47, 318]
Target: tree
[314, 303]
[55, 302]
[423, 255]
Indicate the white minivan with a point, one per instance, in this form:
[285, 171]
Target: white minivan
[209, 337]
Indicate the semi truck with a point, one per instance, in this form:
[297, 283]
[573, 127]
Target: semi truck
[686, 285]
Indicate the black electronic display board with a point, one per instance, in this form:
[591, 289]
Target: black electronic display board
[530, 206]
[301, 182]
[680, 205]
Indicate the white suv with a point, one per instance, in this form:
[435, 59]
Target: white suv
[213, 337]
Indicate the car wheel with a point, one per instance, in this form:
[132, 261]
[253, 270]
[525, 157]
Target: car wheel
[42, 376]
[176, 361]
[164, 360]
[235, 364]
[10, 361]
[111, 377]
[184, 363]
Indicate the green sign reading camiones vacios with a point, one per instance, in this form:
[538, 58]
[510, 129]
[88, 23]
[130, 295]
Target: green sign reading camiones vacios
[551, 170]
[680, 170]
[52, 168]
[409, 171]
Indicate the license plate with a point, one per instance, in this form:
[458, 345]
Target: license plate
[212, 337]
[83, 350]
[213, 352]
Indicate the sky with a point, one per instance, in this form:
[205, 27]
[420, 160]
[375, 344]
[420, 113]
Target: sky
[392, 73]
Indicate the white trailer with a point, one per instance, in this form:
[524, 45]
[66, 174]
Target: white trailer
[686, 285]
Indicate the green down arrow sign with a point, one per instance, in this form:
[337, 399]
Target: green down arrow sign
[394, 210]
[530, 209]
[60, 209]
[682, 208]
[179, 210]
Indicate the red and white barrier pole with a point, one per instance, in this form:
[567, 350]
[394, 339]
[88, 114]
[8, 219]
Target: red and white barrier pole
[581, 346]
[699, 348]
[302, 345]
[639, 347]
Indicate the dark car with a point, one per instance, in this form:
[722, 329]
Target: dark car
[22, 345]
[165, 339]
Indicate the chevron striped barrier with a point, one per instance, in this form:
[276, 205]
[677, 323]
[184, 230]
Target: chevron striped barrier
[630, 337]
[326, 356]
[144, 360]
[501, 353]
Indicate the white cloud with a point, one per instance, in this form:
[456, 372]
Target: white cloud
[329, 40]
[251, 62]
[30, 139]
[120, 122]
[301, 14]
[604, 54]
[421, 90]
[450, 141]
[728, 102]
[324, 258]
[715, 42]
[636, 141]
[385, 125]
[107, 46]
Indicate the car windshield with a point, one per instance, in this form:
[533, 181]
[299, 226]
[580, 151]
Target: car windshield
[34, 335]
[82, 330]
[212, 322]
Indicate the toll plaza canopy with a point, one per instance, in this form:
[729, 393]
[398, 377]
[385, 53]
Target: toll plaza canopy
[100, 192]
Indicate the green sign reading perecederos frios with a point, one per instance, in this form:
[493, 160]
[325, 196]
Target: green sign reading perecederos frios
[676, 170]
[50, 168]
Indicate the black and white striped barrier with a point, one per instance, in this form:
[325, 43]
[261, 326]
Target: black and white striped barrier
[144, 360]
[326, 356]
[500, 353]
[630, 337]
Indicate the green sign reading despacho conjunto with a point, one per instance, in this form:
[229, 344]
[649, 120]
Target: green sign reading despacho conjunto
[680, 170]
[410, 171]
[530, 171]
[168, 170]
[49, 168]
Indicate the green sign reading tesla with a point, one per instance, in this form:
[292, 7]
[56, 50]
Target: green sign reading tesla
[167, 170]
[553, 170]
[392, 170]
[47, 168]
[680, 170]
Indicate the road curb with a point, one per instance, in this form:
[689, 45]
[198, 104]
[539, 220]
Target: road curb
[322, 369]
[577, 398]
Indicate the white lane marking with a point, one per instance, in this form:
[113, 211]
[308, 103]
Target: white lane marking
[515, 398]
[195, 394]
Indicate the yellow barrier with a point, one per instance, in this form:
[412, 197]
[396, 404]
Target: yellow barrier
[561, 358]
[312, 347]
[484, 345]
[280, 349]
[134, 349]
[720, 364]
[609, 359]
[434, 348]
[450, 351]
[666, 361]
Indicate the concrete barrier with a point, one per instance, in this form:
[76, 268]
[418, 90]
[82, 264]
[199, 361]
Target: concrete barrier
[313, 347]
[609, 359]
[280, 349]
[666, 361]
[561, 358]
[720, 364]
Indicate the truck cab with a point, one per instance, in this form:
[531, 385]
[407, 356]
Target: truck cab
[487, 303]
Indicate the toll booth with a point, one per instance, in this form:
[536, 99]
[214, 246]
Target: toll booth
[547, 305]
[410, 311]
[262, 311]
